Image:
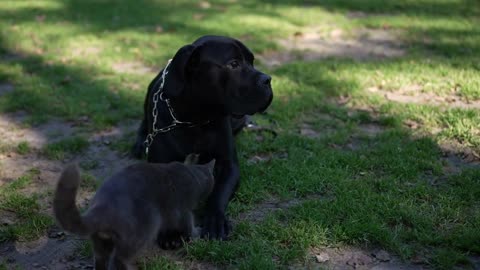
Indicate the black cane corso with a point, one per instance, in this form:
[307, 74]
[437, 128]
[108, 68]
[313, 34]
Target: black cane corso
[209, 88]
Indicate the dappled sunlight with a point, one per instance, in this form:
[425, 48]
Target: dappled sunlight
[20, 6]
[376, 106]
[315, 43]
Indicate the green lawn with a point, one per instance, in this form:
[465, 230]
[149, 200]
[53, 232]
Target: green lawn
[372, 175]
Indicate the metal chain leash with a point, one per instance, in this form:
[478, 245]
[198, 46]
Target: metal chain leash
[175, 122]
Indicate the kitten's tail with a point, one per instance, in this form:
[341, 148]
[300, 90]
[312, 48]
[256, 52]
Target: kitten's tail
[64, 207]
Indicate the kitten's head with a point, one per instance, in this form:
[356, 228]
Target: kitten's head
[203, 172]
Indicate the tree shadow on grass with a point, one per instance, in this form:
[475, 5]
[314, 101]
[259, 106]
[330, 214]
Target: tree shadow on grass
[394, 164]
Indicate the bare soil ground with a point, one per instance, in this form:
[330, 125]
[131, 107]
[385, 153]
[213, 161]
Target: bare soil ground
[314, 44]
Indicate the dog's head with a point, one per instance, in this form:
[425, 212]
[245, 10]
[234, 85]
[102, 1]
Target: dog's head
[218, 73]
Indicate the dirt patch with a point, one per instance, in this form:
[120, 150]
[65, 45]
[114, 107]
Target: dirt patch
[60, 251]
[57, 253]
[107, 161]
[265, 157]
[112, 133]
[319, 125]
[353, 144]
[7, 218]
[475, 261]
[133, 68]
[12, 166]
[314, 44]
[55, 250]
[6, 88]
[261, 210]
[308, 131]
[10, 57]
[357, 140]
[355, 258]
[370, 129]
[456, 158]
[13, 131]
[413, 94]
[454, 164]
[85, 51]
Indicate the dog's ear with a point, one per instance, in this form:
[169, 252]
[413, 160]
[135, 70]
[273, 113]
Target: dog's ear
[245, 51]
[175, 79]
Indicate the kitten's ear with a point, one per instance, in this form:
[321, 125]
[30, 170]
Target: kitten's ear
[191, 159]
[211, 166]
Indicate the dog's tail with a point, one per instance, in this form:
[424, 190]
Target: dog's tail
[64, 207]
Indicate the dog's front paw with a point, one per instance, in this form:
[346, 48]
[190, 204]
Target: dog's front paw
[171, 240]
[216, 226]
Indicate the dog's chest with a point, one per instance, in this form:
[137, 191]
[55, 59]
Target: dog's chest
[192, 140]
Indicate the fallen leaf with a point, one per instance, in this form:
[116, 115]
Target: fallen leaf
[258, 158]
[307, 131]
[382, 256]
[40, 18]
[334, 146]
[336, 33]
[322, 257]
[204, 5]
[38, 51]
[344, 99]
[411, 124]
[159, 29]
[359, 259]
[198, 16]
[298, 34]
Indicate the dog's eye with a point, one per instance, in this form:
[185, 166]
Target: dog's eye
[234, 64]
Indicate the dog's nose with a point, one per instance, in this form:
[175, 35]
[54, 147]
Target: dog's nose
[265, 79]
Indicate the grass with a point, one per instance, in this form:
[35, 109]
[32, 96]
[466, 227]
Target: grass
[160, 263]
[89, 164]
[30, 222]
[389, 189]
[23, 148]
[123, 145]
[89, 182]
[84, 249]
[72, 145]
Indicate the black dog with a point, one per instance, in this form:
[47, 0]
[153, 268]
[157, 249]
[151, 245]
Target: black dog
[203, 99]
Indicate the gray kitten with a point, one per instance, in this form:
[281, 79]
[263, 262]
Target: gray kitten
[136, 207]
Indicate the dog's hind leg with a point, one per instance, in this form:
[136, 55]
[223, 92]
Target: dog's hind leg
[119, 261]
[102, 249]
[138, 148]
